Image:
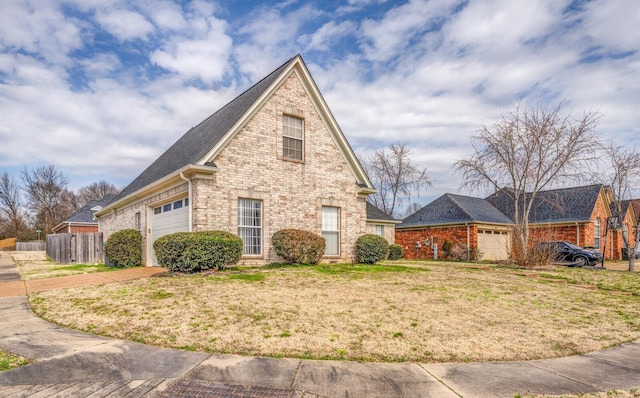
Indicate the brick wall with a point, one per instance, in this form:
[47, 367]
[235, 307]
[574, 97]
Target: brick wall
[408, 238]
[389, 231]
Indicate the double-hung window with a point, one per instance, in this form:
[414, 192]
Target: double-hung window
[250, 226]
[380, 230]
[331, 230]
[596, 234]
[292, 137]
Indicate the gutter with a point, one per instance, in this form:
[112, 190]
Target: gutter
[189, 169]
[188, 180]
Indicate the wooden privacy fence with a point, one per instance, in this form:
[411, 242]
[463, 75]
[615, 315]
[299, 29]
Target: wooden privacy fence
[78, 248]
[6, 244]
[35, 246]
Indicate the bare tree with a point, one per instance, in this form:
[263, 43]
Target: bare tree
[395, 177]
[96, 190]
[526, 151]
[45, 187]
[622, 175]
[11, 208]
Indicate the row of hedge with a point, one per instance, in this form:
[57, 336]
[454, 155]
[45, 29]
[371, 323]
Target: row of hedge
[201, 251]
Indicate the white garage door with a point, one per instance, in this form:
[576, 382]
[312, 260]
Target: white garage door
[493, 244]
[167, 219]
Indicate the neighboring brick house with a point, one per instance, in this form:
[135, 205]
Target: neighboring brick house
[380, 223]
[577, 215]
[83, 220]
[473, 222]
[272, 158]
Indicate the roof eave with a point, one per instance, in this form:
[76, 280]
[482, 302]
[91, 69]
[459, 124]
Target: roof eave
[189, 171]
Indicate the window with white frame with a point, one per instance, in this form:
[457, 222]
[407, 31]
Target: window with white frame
[331, 230]
[596, 234]
[138, 221]
[380, 230]
[250, 226]
[292, 137]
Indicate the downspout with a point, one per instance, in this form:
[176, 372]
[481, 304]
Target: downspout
[577, 234]
[190, 201]
[468, 242]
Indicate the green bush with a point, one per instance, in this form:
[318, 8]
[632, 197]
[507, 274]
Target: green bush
[371, 248]
[296, 246]
[395, 252]
[124, 248]
[198, 251]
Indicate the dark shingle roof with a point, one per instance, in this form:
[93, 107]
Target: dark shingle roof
[85, 214]
[558, 205]
[199, 140]
[453, 209]
[373, 213]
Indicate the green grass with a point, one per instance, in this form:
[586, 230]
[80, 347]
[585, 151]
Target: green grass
[9, 361]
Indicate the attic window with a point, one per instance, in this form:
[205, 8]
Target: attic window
[292, 137]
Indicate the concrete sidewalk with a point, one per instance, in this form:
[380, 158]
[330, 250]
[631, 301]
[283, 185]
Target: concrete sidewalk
[69, 363]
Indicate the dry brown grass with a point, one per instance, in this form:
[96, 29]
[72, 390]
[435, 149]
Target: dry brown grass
[35, 265]
[608, 394]
[422, 312]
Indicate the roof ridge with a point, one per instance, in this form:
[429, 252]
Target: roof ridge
[460, 206]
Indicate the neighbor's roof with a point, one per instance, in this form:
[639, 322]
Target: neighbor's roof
[198, 141]
[374, 213]
[455, 209]
[85, 215]
[557, 205]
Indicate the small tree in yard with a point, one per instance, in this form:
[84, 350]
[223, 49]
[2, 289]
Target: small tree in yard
[526, 151]
[395, 177]
[622, 176]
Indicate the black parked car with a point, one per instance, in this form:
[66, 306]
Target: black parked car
[568, 253]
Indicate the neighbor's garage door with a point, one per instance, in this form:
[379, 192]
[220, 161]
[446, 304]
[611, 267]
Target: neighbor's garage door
[493, 244]
[167, 219]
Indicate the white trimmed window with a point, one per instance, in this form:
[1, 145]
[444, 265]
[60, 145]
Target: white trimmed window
[596, 234]
[380, 230]
[331, 230]
[292, 137]
[250, 226]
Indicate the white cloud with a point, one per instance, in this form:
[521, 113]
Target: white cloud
[328, 33]
[204, 57]
[38, 28]
[124, 24]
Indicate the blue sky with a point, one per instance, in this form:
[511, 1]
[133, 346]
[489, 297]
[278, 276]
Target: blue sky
[100, 88]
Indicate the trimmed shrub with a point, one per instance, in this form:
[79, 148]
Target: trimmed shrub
[124, 248]
[371, 248]
[198, 251]
[395, 252]
[296, 246]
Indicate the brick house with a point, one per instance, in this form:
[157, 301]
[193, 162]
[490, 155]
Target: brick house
[578, 215]
[83, 220]
[272, 158]
[472, 222]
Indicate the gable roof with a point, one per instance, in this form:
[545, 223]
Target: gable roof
[455, 209]
[195, 151]
[635, 203]
[375, 214]
[85, 214]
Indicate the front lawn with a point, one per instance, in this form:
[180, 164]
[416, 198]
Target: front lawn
[35, 265]
[400, 311]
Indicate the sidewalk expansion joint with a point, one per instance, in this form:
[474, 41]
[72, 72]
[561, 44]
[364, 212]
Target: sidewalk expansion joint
[439, 380]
